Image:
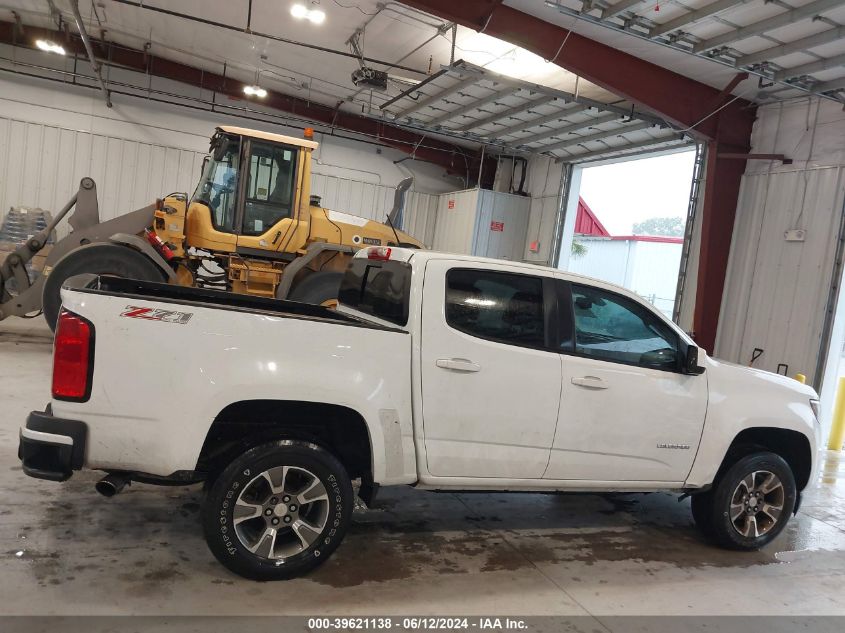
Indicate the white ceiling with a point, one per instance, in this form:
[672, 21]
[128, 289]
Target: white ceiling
[628, 32]
[395, 33]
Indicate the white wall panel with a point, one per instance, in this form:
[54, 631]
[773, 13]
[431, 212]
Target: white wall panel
[544, 185]
[655, 273]
[648, 268]
[43, 165]
[501, 226]
[605, 259]
[420, 217]
[139, 151]
[456, 221]
[776, 292]
[542, 220]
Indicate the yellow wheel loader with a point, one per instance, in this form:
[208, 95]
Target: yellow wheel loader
[251, 227]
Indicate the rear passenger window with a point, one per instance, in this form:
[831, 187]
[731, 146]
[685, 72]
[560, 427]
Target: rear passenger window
[380, 289]
[501, 307]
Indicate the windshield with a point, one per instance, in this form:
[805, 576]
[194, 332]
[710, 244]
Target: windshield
[218, 184]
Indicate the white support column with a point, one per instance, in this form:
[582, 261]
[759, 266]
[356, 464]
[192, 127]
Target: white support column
[571, 206]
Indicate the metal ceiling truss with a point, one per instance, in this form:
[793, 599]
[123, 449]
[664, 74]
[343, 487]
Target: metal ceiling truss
[597, 136]
[677, 141]
[623, 16]
[466, 76]
[560, 132]
[510, 113]
[522, 126]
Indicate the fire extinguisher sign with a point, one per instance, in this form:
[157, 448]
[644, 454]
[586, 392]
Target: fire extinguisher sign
[497, 226]
[451, 204]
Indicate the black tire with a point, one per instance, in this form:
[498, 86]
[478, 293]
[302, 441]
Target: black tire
[245, 474]
[701, 505]
[100, 259]
[728, 490]
[317, 288]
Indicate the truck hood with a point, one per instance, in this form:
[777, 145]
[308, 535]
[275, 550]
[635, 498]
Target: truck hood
[741, 377]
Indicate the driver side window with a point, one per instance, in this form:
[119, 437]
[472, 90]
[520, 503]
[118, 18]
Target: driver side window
[614, 328]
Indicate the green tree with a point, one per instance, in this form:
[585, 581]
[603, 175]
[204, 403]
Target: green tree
[578, 249]
[670, 227]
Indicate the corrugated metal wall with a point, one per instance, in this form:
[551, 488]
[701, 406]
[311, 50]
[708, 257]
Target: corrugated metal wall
[502, 225]
[777, 291]
[457, 221]
[482, 222]
[655, 273]
[41, 166]
[544, 183]
[420, 217]
[604, 259]
[648, 268]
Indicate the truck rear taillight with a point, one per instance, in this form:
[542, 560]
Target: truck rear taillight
[73, 358]
[379, 252]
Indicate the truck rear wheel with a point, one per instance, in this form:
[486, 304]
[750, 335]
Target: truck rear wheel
[319, 288]
[278, 510]
[752, 501]
[101, 258]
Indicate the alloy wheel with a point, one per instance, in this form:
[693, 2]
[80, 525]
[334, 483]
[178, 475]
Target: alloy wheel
[757, 503]
[281, 512]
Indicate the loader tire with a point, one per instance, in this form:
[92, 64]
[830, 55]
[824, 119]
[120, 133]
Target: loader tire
[318, 288]
[100, 259]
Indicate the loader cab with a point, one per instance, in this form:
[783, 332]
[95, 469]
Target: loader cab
[253, 194]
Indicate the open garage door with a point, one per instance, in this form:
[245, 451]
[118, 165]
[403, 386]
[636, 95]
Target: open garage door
[630, 220]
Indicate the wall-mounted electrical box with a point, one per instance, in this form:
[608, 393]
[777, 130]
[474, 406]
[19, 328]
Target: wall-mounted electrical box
[482, 222]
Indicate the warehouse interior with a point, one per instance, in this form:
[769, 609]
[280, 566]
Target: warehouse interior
[495, 109]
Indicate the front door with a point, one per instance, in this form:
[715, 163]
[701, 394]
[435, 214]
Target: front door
[627, 412]
[490, 385]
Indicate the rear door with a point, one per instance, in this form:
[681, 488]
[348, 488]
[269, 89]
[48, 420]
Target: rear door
[490, 383]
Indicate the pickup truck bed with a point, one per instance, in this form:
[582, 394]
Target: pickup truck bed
[202, 297]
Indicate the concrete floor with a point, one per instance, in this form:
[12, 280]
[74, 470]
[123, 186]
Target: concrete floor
[66, 550]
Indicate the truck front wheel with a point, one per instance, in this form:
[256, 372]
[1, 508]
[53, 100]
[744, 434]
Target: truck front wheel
[750, 503]
[278, 510]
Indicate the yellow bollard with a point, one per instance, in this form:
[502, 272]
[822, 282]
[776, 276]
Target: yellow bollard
[801, 378]
[837, 429]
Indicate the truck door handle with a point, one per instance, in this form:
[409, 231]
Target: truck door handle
[591, 382]
[457, 364]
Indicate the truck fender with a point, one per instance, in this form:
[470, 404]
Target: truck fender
[313, 251]
[145, 248]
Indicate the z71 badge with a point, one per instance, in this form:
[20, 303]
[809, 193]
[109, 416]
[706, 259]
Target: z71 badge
[154, 314]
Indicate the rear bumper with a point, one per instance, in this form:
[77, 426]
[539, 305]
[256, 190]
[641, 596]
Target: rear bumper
[52, 448]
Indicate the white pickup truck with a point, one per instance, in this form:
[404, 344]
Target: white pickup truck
[438, 371]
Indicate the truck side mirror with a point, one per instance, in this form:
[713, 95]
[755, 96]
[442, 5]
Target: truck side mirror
[691, 361]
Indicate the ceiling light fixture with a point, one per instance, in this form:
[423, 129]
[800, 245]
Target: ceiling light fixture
[255, 91]
[315, 16]
[50, 47]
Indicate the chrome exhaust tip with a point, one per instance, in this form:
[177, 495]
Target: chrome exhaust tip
[110, 485]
